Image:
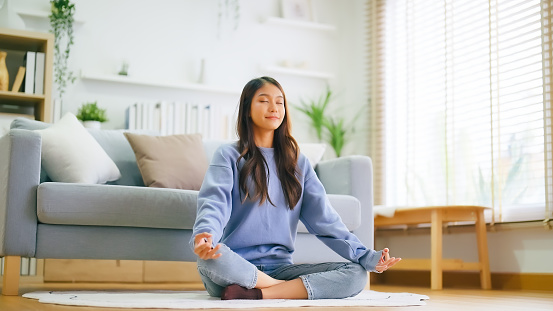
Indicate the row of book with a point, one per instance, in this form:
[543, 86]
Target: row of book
[170, 118]
[28, 266]
[27, 68]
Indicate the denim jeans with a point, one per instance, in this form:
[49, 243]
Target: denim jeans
[321, 280]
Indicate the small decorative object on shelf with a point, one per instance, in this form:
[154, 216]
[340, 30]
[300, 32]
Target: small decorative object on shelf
[201, 77]
[91, 115]
[124, 71]
[4, 74]
[297, 10]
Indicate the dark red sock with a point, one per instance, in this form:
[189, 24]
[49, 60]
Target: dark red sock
[238, 292]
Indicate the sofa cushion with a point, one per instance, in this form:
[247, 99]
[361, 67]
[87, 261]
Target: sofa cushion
[174, 161]
[71, 154]
[114, 144]
[115, 205]
[313, 151]
[125, 206]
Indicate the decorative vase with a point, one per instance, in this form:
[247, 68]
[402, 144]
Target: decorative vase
[4, 74]
[92, 124]
[201, 78]
[9, 18]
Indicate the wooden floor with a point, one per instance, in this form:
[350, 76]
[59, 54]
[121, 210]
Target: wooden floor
[447, 299]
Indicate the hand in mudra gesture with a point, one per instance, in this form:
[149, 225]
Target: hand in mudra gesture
[386, 261]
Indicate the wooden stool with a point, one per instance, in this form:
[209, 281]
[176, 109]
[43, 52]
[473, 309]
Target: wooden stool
[437, 215]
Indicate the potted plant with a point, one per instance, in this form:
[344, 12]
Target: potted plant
[315, 110]
[337, 129]
[91, 115]
[61, 24]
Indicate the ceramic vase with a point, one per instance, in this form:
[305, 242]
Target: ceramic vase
[92, 124]
[4, 75]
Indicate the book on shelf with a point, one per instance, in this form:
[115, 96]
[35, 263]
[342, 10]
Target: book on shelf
[30, 60]
[40, 62]
[18, 79]
[138, 116]
[131, 117]
[171, 118]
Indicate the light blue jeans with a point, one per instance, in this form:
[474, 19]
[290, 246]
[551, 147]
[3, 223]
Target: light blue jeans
[322, 280]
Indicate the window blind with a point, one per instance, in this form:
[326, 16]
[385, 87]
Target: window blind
[461, 105]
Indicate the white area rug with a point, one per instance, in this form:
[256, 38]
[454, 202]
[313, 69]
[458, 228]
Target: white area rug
[201, 300]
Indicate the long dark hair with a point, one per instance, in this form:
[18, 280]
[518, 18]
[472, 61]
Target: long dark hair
[286, 150]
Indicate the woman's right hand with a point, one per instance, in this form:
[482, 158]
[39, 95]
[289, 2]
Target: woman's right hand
[386, 261]
[203, 246]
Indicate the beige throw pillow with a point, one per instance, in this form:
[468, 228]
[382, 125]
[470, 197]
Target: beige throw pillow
[175, 161]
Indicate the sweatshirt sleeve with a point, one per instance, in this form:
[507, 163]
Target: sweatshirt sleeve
[322, 220]
[214, 199]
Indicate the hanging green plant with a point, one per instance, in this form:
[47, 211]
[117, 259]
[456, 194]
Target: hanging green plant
[61, 25]
[228, 8]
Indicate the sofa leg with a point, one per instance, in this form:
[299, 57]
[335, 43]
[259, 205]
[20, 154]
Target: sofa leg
[12, 267]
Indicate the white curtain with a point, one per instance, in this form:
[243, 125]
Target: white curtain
[461, 104]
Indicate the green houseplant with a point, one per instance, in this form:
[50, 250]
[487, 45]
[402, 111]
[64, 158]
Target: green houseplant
[91, 112]
[315, 110]
[335, 129]
[61, 25]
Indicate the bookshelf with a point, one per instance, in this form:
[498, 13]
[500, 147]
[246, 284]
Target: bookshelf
[21, 40]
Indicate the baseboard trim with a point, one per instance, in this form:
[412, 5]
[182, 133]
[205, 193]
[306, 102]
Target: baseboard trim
[503, 281]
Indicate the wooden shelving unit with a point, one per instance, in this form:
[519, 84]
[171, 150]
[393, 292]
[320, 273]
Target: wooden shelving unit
[22, 40]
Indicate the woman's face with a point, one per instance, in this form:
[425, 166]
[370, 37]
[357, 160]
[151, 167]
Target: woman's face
[267, 109]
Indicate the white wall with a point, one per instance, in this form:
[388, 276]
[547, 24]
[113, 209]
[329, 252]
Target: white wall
[166, 40]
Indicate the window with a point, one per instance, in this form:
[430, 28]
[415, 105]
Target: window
[461, 105]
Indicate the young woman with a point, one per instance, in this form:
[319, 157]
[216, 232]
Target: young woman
[253, 195]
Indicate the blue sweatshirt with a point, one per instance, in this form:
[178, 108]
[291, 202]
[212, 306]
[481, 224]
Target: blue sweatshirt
[265, 234]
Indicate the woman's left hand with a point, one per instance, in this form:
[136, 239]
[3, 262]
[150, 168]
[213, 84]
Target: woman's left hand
[386, 261]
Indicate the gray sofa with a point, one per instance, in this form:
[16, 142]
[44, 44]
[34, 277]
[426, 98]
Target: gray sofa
[125, 220]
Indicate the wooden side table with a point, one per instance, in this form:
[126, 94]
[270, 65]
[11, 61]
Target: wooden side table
[437, 216]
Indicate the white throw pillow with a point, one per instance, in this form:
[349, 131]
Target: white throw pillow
[71, 154]
[313, 151]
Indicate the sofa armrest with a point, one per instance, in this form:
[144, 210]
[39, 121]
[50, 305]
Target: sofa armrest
[352, 175]
[19, 175]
